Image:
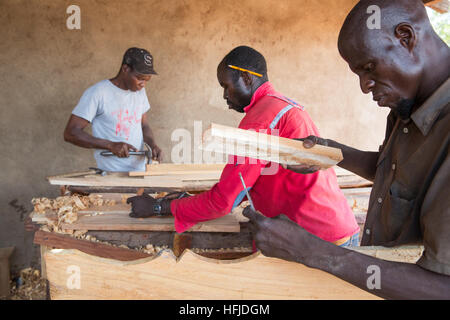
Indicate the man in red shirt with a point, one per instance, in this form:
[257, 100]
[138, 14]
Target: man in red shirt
[313, 201]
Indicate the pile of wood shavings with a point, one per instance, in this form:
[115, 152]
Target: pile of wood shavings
[33, 287]
[149, 248]
[66, 209]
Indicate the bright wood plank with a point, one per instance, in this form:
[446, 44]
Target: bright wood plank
[175, 169]
[193, 277]
[258, 145]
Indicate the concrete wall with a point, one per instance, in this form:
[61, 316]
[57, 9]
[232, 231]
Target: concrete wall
[44, 69]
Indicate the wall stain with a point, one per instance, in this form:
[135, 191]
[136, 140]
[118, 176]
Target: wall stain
[19, 208]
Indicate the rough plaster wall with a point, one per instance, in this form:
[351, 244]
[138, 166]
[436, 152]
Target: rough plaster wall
[44, 69]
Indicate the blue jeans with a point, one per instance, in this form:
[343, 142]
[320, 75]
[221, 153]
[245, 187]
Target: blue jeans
[352, 242]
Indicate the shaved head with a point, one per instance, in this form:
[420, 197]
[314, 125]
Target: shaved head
[400, 60]
[356, 32]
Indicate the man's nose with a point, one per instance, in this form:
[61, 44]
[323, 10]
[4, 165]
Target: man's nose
[366, 84]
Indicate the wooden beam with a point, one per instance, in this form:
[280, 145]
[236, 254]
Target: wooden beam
[179, 170]
[256, 145]
[116, 218]
[5, 271]
[123, 179]
[181, 242]
[441, 6]
[195, 277]
[59, 241]
[121, 221]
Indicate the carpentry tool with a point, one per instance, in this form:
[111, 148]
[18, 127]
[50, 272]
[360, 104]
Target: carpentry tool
[147, 153]
[92, 170]
[246, 191]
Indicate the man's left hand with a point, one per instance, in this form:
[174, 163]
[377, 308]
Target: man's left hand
[157, 153]
[282, 238]
[142, 206]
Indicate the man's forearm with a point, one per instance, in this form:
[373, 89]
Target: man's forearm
[363, 163]
[83, 139]
[148, 135]
[396, 280]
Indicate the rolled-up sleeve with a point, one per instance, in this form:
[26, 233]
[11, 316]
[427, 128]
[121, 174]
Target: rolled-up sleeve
[435, 221]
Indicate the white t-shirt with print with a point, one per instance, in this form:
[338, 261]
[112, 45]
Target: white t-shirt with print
[116, 115]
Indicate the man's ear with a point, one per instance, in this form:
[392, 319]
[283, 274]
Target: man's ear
[247, 78]
[406, 35]
[126, 68]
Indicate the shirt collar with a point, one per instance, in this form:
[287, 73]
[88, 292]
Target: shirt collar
[263, 90]
[428, 112]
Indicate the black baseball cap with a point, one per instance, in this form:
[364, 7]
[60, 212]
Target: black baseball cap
[140, 60]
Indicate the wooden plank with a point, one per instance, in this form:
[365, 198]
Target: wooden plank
[353, 181]
[5, 271]
[122, 221]
[441, 6]
[408, 253]
[181, 242]
[59, 241]
[116, 180]
[43, 250]
[258, 145]
[169, 169]
[193, 277]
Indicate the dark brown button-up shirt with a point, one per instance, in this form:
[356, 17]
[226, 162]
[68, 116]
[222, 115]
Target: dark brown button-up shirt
[410, 199]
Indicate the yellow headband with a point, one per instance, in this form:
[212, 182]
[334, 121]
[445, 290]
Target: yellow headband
[245, 70]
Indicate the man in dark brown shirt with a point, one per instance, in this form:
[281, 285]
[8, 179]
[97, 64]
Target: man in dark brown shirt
[406, 67]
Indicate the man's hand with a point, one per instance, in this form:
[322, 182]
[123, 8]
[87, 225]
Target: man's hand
[308, 143]
[156, 153]
[142, 206]
[121, 149]
[30, 226]
[282, 238]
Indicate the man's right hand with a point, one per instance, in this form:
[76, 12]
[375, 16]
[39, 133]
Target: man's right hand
[308, 143]
[121, 149]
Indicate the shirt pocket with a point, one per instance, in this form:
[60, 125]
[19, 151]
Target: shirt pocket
[399, 207]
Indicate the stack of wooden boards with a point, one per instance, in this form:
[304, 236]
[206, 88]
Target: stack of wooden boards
[116, 217]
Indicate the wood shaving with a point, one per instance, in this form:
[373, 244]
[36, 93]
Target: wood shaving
[66, 209]
[32, 287]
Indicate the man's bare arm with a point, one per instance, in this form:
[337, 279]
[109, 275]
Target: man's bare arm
[362, 163]
[75, 134]
[150, 139]
[281, 238]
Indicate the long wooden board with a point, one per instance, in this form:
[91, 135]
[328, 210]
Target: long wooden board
[175, 183]
[257, 145]
[196, 277]
[121, 221]
[116, 217]
[180, 170]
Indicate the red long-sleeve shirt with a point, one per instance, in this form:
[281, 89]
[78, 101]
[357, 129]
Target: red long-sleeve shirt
[313, 201]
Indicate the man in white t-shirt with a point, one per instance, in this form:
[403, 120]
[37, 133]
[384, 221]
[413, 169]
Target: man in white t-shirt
[116, 109]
